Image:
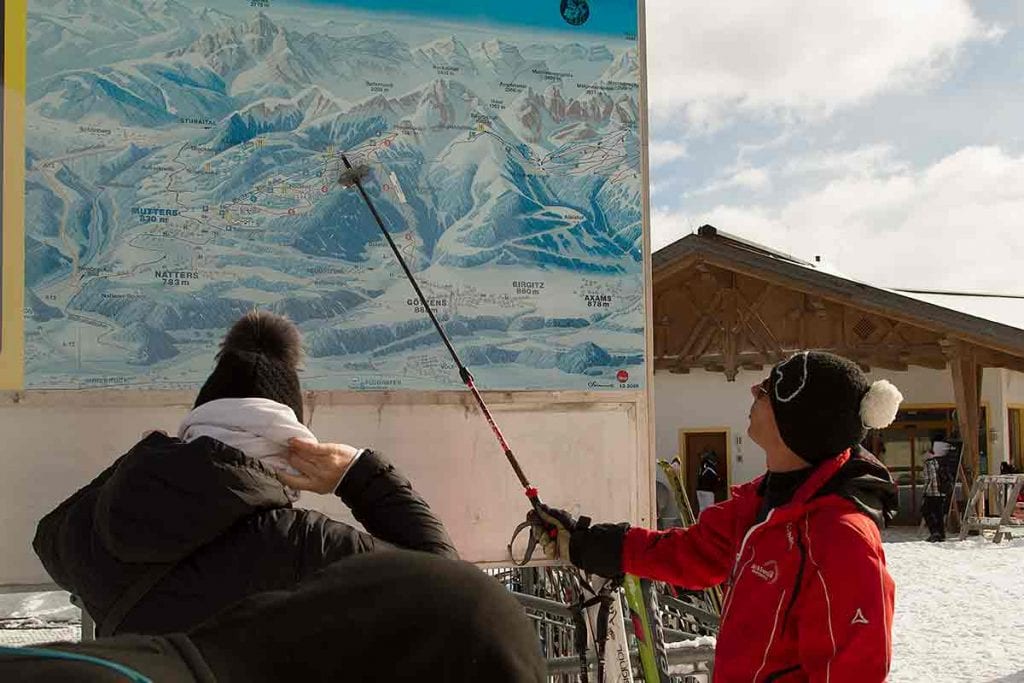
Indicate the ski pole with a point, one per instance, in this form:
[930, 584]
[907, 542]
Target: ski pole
[353, 177]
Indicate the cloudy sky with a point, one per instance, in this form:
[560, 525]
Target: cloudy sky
[887, 137]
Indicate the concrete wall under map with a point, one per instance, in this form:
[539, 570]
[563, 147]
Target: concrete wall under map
[585, 452]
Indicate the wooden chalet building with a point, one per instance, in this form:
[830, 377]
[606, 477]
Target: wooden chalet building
[726, 309]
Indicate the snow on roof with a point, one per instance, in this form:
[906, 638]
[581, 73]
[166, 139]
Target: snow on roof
[1002, 309]
[1007, 310]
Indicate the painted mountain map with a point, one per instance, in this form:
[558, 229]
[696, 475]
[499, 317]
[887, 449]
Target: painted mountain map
[182, 164]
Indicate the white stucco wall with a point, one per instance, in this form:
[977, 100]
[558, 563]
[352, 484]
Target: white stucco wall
[706, 400]
[924, 386]
[1013, 387]
[586, 453]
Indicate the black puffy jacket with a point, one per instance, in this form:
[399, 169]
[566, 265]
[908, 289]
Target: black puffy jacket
[173, 532]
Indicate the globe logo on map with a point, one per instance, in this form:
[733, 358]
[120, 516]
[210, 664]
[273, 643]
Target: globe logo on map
[575, 12]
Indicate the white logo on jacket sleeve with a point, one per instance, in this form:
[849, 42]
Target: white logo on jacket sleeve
[858, 617]
[769, 571]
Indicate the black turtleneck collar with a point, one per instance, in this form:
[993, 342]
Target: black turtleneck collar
[778, 489]
[862, 480]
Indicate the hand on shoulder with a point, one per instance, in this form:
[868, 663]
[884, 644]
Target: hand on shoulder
[321, 465]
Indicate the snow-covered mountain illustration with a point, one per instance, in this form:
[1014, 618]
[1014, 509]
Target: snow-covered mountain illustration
[173, 184]
[66, 34]
[449, 52]
[258, 53]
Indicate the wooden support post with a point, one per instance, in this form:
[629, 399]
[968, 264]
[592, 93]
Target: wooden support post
[967, 390]
[730, 322]
[970, 520]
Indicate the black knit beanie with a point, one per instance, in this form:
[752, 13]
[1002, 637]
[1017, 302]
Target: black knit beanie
[823, 404]
[259, 358]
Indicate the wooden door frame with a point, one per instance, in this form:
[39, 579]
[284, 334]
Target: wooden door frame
[1015, 406]
[728, 453]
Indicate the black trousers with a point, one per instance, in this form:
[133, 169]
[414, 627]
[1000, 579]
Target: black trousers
[933, 509]
[387, 616]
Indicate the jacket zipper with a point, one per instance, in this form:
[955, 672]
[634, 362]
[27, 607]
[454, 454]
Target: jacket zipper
[799, 579]
[736, 562]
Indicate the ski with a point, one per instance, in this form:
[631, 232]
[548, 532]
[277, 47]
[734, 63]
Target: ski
[712, 596]
[646, 616]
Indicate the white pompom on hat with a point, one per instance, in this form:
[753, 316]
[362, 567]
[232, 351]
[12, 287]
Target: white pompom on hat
[823, 404]
[879, 406]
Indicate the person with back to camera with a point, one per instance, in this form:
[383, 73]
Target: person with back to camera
[182, 526]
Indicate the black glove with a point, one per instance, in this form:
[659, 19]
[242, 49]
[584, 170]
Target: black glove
[594, 549]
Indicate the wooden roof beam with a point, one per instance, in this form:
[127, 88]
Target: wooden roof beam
[817, 306]
[863, 297]
[932, 362]
[994, 359]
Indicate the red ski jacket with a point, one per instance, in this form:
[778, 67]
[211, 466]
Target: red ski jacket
[808, 597]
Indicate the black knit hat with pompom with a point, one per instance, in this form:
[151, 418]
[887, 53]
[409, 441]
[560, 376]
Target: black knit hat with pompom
[816, 398]
[259, 358]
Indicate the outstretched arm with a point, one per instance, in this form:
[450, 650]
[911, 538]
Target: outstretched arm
[696, 557]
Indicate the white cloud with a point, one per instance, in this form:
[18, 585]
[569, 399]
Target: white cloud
[867, 160]
[751, 179]
[957, 224]
[666, 151]
[797, 58]
[746, 178]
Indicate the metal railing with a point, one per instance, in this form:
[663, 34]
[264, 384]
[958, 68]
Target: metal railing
[547, 595]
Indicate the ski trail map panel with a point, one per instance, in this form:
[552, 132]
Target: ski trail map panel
[181, 166]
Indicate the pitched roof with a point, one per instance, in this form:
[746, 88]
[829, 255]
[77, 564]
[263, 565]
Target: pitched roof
[1007, 310]
[995, 322]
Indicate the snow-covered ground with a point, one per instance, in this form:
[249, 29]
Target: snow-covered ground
[959, 611]
[30, 618]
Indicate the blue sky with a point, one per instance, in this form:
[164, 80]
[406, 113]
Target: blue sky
[886, 137]
[606, 16]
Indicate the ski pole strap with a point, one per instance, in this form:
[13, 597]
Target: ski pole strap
[601, 635]
[531, 544]
[550, 529]
[580, 636]
[604, 599]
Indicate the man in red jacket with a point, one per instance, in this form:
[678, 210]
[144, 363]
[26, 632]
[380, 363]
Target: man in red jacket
[808, 595]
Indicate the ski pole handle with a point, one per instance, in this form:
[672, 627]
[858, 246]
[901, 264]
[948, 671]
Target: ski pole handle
[550, 529]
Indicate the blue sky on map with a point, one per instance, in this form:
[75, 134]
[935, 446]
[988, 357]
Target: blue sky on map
[606, 16]
[887, 137]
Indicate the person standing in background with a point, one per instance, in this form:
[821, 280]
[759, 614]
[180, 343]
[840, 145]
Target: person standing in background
[708, 479]
[933, 507]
